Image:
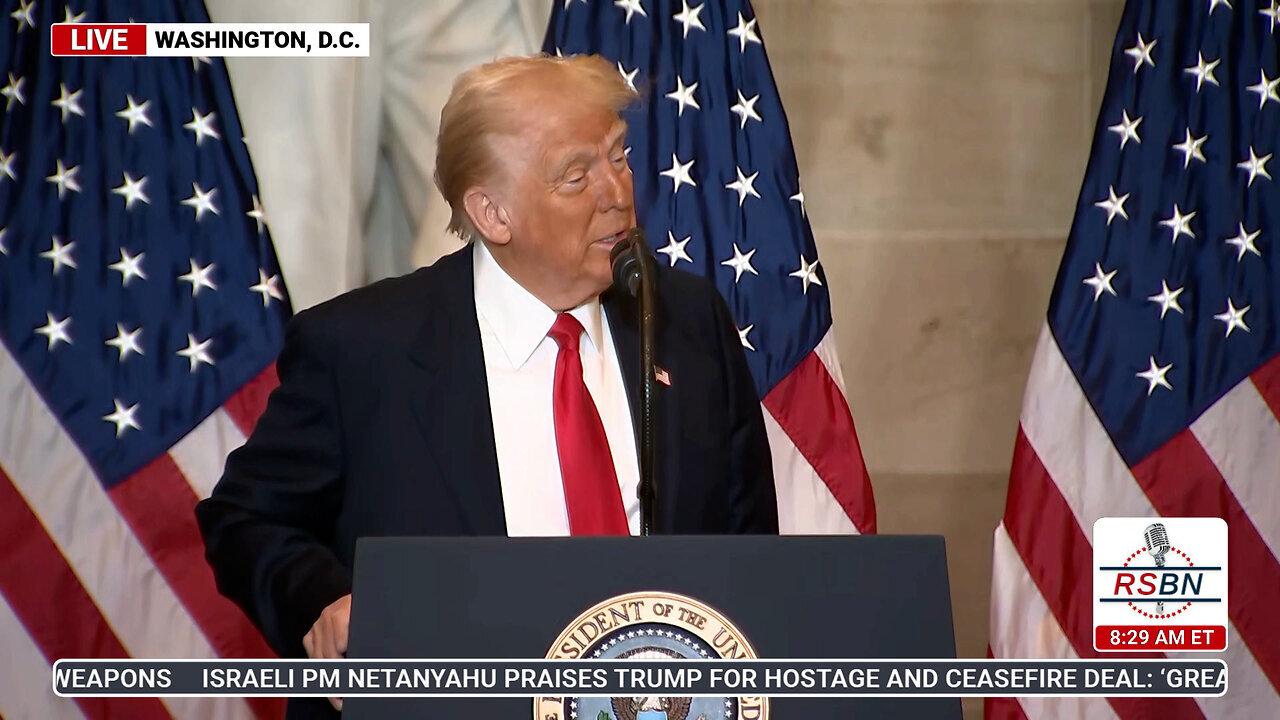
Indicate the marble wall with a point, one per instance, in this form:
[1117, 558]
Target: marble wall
[941, 145]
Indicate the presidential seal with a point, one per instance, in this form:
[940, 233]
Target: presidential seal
[651, 625]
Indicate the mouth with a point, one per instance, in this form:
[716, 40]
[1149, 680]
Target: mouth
[610, 240]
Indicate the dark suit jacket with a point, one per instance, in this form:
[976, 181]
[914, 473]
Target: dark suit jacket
[381, 426]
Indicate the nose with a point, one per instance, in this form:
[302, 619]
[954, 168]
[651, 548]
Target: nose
[616, 189]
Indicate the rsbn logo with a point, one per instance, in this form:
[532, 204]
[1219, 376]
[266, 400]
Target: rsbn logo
[1160, 583]
[1166, 587]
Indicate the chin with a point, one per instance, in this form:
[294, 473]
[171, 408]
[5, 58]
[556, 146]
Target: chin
[602, 282]
[594, 282]
[597, 263]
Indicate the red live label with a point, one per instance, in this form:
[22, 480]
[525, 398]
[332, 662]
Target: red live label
[1148, 637]
[98, 39]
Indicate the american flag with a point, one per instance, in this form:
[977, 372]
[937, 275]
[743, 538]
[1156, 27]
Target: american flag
[1155, 388]
[718, 192]
[141, 310]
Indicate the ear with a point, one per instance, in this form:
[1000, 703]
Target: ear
[490, 218]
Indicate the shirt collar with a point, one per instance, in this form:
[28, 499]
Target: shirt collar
[518, 319]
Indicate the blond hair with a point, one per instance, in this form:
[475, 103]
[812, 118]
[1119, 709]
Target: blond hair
[481, 106]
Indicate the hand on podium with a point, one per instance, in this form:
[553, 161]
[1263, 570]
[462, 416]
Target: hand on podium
[327, 639]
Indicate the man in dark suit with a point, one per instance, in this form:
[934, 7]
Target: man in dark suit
[495, 392]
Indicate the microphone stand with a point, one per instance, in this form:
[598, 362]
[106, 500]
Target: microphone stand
[633, 272]
[645, 292]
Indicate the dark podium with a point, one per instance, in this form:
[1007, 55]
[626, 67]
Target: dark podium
[790, 597]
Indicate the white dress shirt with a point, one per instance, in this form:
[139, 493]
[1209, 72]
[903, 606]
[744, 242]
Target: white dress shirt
[520, 364]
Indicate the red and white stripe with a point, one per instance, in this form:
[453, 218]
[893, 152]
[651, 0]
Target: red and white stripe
[90, 573]
[1066, 474]
[25, 671]
[822, 482]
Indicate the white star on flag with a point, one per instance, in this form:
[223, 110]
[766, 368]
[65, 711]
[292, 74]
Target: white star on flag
[630, 77]
[1244, 242]
[674, 249]
[268, 287]
[23, 15]
[1114, 205]
[679, 173]
[1190, 149]
[1265, 89]
[1155, 376]
[65, 179]
[126, 341]
[745, 109]
[60, 255]
[688, 18]
[129, 266]
[1273, 14]
[199, 277]
[742, 337]
[68, 102]
[136, 114]
[123, 417]
[808, 274]
[202, 126]
[1141, 53]
[744, 185]
[1233, 317]
[1203, 71]
[202, 201]
[631, 7]
[745, 32]
[799, 197]
[1179, 224]
[684, 96]
[197, 352]
[132, 191]
[1127, 129]
[1167, 299]
[259, 218]
[13, 92]
[55, 330]
[6, 165]
[1101, 281]
[740, 263]
[1255, 166]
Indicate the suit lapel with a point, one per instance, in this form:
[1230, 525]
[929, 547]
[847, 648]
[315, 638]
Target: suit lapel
[451, 402]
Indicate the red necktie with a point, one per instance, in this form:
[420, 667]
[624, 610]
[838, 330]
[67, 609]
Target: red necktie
[586, 465]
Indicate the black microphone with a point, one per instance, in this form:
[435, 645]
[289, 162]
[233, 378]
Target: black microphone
[633, 271]
[626, 262]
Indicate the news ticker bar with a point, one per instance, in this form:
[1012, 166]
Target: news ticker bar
[622, 678]
[209, 39]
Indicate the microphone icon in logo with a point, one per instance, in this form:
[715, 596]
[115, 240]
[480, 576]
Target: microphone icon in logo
[1157, 541]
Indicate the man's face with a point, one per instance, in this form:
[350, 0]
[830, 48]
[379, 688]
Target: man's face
[569, 199]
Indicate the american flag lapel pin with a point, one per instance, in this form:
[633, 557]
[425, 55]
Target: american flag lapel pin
[661, 376]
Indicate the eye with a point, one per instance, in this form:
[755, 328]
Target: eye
[573, 182]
